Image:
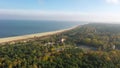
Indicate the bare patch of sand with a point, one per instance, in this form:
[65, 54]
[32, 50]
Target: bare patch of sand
[16, 38]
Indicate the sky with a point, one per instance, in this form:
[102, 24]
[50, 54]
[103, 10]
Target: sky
[61, 10]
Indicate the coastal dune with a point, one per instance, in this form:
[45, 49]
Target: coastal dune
[17, 38]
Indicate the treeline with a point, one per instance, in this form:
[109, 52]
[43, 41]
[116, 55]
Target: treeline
[32, 55]
[101, 36]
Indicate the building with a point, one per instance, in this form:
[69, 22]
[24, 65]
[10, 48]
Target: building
[113, 47]
[62, 40]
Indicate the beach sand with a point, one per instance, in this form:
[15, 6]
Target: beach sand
[17, 38]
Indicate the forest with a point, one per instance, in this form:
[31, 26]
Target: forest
[101, 41]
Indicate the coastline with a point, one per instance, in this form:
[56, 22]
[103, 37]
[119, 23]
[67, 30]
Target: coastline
[25, 37]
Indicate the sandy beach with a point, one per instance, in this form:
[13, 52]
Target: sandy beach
[17, 38]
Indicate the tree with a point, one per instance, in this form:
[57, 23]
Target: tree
[87, 41]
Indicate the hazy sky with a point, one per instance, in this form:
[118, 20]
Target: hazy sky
[69, 10]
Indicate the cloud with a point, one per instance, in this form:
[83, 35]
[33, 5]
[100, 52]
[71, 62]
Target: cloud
[39, 15]
[113, 1]
[58, 15]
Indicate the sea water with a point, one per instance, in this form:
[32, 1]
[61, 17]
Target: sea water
[9, 28]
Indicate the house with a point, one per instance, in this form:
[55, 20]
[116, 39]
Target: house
[113, 47]
[62, 40]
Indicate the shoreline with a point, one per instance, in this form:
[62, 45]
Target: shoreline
[26, 37]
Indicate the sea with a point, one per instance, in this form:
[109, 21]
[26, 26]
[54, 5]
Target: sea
[10, 28]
